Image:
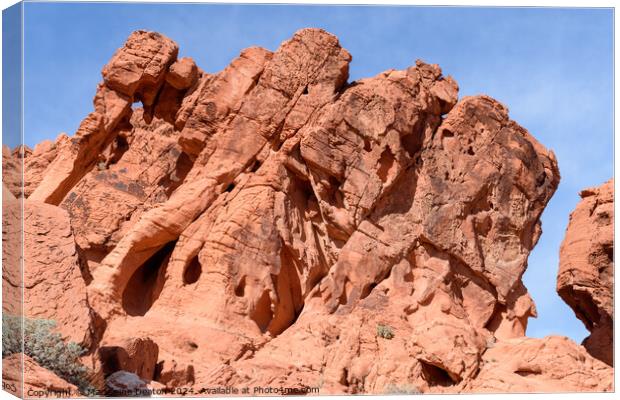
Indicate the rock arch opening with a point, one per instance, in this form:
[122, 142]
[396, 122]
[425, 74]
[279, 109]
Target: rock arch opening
[146, 283]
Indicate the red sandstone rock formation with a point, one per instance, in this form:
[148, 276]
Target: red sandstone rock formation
[274, 224]
[585, 279]
[38, 382]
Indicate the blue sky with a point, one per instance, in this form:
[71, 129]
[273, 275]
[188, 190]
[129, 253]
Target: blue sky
[553, 68]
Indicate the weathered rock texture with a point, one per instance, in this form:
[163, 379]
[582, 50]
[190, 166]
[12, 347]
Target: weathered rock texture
[38, 382]
[276, 225]
[585, 279]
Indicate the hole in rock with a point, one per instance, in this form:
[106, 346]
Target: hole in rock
[470, 151]
[146, 283]
[435, 376]
[584, 307]
[262, 313]
[255, 166]
[334, 196]
[367, 146]
[240, 289]
[496, 318]
[112, 359]
[230, 188]
[447, 133]
[192, 346]
[302, 193]
[305, 90]
[527, 372]
[343, 298]
[290, 299]
[192, 271]
[367, 290]
[119, 147]
[412, 144]
[386, 162]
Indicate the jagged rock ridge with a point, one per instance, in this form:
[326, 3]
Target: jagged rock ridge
[261, 225]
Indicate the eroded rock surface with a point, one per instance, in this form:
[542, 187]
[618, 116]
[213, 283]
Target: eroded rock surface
[37, 381]
[50, 281]
[276, 224]
[586, 276]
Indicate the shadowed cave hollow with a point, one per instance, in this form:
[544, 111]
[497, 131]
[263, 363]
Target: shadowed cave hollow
[436, 376]
[146, 283]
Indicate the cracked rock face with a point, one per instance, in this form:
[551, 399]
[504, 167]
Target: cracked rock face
[275, 224]
[585, 279]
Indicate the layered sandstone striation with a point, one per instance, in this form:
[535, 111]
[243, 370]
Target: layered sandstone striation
[585, 279]
[274, 224]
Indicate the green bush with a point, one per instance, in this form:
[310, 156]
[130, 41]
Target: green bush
[45, 347]
[11, 335]
[385, 331]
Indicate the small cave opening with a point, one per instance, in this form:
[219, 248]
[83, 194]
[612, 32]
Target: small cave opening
[113, 359]
[435, 376]
[229, 188]
[305, 90]
[303, 192]
[146, 283]
[192, 272]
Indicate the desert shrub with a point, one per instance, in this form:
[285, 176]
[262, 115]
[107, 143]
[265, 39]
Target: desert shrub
[45, 347]
[11, 335]
[385, 331]
[401, 389]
